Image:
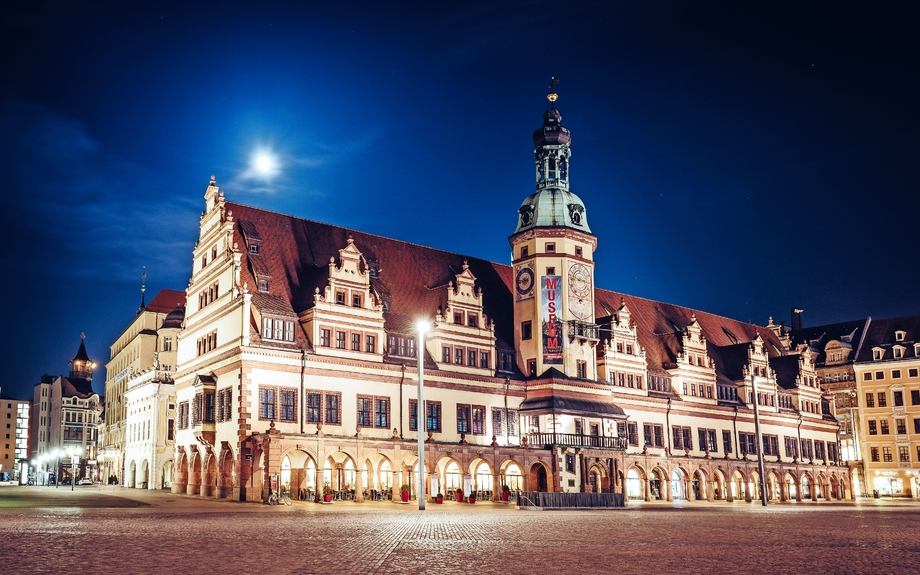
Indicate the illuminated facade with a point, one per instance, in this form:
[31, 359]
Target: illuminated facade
[887, 372]
[14, 449]
[297, 362]
[66, 414]
[138, 391]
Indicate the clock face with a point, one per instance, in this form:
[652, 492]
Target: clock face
[523, 282]
[580, 281]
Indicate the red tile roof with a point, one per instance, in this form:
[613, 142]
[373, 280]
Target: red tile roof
[410, 280]
[166, 301]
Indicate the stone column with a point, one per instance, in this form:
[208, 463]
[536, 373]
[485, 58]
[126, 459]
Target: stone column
[747, 491]
[359, 487]
[496, 487]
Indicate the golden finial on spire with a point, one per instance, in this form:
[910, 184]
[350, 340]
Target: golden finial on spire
[552, 94]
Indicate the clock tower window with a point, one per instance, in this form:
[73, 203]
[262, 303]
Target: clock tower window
[526, 330]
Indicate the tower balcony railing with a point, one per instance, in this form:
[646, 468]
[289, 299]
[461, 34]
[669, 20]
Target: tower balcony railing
[584, 330]
[550, 439]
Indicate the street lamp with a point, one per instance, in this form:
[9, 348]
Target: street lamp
[74, 454]
[422, 327]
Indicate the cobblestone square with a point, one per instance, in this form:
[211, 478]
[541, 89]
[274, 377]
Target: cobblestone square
[46, 530]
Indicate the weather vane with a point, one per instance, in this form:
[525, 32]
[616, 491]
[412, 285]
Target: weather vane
[553, 82]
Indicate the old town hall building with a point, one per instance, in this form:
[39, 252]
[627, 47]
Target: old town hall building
[296, 363]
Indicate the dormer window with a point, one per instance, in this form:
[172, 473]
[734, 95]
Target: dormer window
[899, 335]
[877, 354]
[277, 329]
[254, 249]
[898, 352]
[263, 285]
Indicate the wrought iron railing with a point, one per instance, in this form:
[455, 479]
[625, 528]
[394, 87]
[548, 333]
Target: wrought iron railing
[575, 440]
[584, 330]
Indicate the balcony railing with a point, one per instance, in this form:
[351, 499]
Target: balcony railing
[584, 330]
[575, 440]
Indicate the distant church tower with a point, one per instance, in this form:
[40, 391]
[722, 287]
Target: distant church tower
[553, 259]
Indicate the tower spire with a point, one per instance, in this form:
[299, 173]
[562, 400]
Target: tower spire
[143, 289]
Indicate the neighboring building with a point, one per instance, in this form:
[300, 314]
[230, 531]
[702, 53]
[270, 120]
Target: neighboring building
[14, 455]
[141, 349]
[151, 413]
[887, 372]
[66, 417]
[834, 349]
[297, 361]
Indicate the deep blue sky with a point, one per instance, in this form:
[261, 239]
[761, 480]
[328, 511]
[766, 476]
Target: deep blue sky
[736, 159]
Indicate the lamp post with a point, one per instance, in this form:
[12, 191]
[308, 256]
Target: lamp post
[422, 327]
[760, 464]
[74, 454]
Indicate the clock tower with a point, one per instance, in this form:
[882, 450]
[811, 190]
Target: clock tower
[553, 262]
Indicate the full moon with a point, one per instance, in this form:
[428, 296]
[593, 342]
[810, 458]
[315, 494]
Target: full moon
[265, 164]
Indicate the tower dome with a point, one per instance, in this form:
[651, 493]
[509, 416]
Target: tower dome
[552, 205]
[175, 318]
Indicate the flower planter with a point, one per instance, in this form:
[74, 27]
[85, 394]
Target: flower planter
[439, 500]
[327, 498]
[472, 500]
[459, 498]
[405, 496]
[505, 496]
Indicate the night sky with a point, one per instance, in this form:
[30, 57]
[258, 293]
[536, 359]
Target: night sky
[733, 158]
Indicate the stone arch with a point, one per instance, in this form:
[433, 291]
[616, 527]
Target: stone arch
[720, 488]
[512, 475]
[823, 483]
[636, 483]
[598, 477]
[835, 487]
[791, 486]
[774, 486]
[143, 475]
[166, 474]
[379, 468]
[698, 485]
[809, 486]
[540, 478]
[483, 479]
[739, 485]
[130, 481]
[180, 471]
[680, 483]
[225, 471]
[209, 474]
[658, 484]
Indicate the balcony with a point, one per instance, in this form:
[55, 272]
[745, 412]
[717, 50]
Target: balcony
[583, 330]
[549, 440]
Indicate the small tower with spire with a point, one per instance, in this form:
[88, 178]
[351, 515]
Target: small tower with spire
[81, 368]
[143, 289]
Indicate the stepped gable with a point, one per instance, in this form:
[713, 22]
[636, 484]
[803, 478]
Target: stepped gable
[786, 369]
[410, 279]
[658, 324]
[166, 301]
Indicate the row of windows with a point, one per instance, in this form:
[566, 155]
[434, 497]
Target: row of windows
[659, 383]
[208, 295]
[277, 404]
[465, 356]
[895, 374]
[627, 380]
[353, 339]
[549, 247]
[682, 438]
[881, 425]
[886, 455]
[897, 397]
[278, 329]
[357, 298]
[698, 390]
[897, 352]
[207, 343]
[472, 319]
